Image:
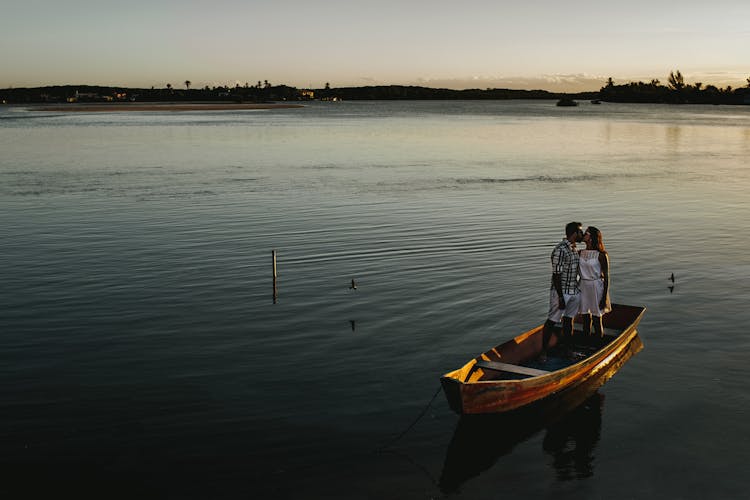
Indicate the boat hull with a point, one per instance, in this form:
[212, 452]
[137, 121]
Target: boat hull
[497, 396]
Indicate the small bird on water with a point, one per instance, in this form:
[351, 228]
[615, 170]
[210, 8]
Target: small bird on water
[353, 286]
[671, 278]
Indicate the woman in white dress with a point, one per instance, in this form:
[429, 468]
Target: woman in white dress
[594, 272]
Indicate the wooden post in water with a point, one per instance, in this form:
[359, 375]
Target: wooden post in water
[273, 257]
[275, 290]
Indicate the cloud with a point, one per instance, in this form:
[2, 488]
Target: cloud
[577, 82]
[368, 80]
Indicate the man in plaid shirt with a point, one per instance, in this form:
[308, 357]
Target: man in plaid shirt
[564, 295]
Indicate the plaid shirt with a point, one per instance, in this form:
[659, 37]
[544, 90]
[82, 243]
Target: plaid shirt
[565, 263]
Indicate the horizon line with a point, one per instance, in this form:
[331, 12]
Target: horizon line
[570, 83]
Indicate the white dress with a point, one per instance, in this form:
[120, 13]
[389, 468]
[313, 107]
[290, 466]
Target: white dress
[592, 283]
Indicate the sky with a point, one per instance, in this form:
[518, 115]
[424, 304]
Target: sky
[553, 45]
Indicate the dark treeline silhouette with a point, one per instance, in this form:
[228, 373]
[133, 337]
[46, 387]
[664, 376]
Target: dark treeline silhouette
[93, 93]
[261, 92]
[675, 92]
[394, 92]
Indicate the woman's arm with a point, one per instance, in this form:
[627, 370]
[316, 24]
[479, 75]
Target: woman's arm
[604, 263]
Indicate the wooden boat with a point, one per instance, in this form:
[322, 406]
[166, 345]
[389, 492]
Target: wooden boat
[511, 375]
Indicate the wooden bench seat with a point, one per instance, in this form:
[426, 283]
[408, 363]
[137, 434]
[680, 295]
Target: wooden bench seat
[507, 367]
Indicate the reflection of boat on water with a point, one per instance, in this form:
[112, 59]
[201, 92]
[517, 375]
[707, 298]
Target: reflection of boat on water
[567, 102]
[511, 376]
[573, 424]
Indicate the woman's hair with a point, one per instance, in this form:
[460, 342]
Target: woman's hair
[597, 242]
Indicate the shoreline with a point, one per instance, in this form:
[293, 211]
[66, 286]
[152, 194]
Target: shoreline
[119, 107]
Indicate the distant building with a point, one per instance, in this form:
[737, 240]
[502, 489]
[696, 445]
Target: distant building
[93, 96]
[307, 94]
[84, 96]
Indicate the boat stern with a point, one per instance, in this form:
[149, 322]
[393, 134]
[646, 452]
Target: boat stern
[452, 390]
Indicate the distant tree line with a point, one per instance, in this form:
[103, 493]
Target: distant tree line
[675, 92]
[395, 92]
[261, 92]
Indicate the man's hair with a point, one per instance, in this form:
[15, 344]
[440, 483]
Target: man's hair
[572, 228]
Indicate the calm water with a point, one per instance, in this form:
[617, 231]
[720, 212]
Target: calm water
[141, 351]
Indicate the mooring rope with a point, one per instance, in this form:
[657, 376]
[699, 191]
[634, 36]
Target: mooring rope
[405, 431]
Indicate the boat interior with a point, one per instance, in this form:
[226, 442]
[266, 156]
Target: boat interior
[523, 357]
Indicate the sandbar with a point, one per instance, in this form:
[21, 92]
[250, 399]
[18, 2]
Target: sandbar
[88, 108]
